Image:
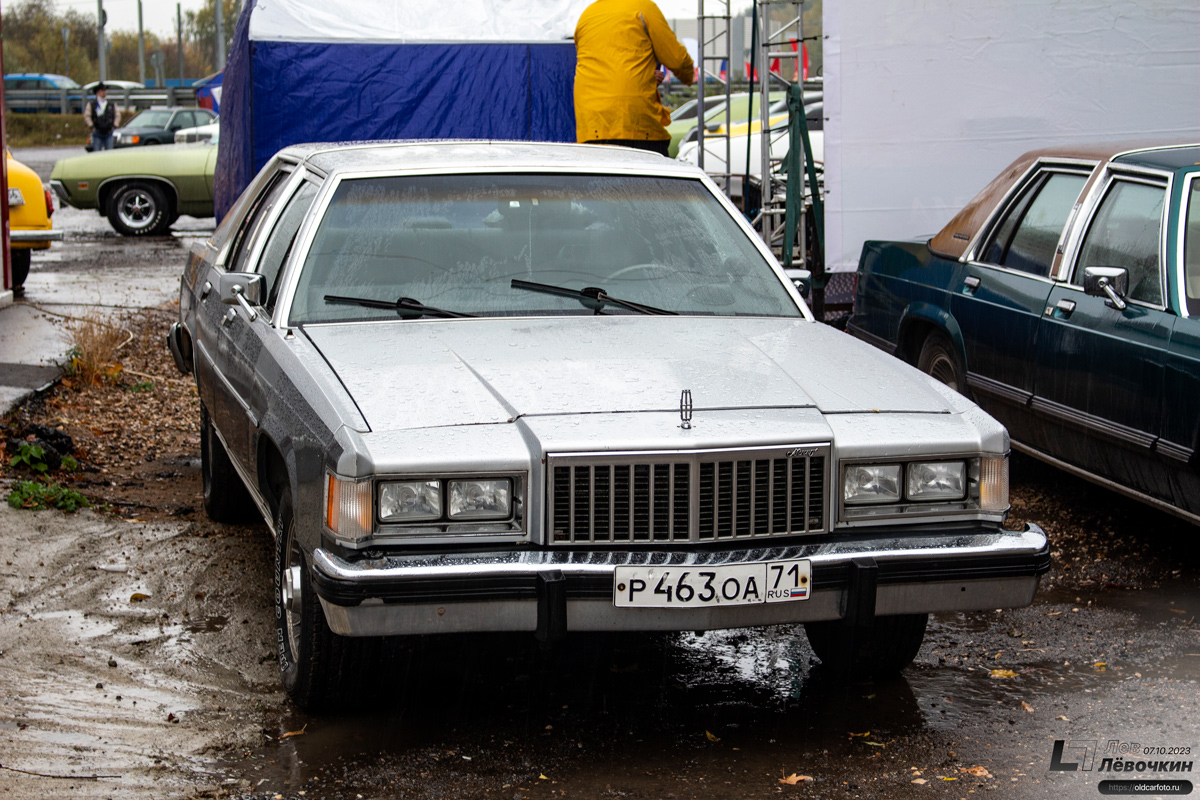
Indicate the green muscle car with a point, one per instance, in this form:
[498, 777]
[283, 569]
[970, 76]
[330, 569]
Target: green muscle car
[141, 191]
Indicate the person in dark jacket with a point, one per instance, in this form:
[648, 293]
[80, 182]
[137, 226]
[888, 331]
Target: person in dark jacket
[101, 117]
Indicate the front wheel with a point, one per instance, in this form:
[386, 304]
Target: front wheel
[882, 650]
[315, 664]
[939, 360]
[139, 209]
[20, 266]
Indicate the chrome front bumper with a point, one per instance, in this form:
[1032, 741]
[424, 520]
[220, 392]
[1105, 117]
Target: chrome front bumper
[551, 592]
[33, 236]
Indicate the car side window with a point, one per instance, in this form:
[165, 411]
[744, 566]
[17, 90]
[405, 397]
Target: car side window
[1191, 250]
[1125, 232]
[279, 243]
[1026, 239]
[247, 234]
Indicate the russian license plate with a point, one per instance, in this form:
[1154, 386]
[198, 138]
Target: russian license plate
[719, 585]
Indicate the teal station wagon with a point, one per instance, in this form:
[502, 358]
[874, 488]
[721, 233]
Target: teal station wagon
[1065, 299]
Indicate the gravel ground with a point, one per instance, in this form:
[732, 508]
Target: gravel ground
[136, 642]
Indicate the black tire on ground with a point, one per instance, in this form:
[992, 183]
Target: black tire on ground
[139, 209]
[317, 667]
[891, 645]
[226, 498]
[20, 266]
[939, 359]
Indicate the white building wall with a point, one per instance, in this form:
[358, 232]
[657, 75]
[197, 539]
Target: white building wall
[928, 99]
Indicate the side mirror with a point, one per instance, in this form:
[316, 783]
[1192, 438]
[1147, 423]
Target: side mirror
[242, 288]
[1110, 282]
[801, 279]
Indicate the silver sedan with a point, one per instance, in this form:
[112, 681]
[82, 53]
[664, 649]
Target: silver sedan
[527, 387]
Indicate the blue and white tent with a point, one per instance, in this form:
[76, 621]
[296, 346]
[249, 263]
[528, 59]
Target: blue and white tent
[333, 70]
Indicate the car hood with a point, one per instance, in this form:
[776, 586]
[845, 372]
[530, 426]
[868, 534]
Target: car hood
[407, 375]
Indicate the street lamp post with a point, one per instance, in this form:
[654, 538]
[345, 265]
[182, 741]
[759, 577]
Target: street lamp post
[101, 20]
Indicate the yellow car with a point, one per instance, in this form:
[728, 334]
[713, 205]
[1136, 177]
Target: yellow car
[29, 210]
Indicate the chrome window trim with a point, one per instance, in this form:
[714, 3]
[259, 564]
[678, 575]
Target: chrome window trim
[290, 183]
[237, 215]
[321, 204]
[1185, 200]
[1114, 173]
[1000, 210]
[937, 514]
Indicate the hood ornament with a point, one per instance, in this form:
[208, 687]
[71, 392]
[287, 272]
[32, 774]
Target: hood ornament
[685, 409]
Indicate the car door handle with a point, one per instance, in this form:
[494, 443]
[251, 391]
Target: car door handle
[1061, 310]
[970, 284]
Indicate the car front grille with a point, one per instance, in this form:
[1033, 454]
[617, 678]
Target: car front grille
[702, 496]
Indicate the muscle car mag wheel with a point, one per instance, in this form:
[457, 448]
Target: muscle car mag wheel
[891, 643]
[139, 209]
[939, 360]
[225, 496]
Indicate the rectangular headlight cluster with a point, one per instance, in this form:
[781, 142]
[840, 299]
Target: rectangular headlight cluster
[981, 483]
[446, 499]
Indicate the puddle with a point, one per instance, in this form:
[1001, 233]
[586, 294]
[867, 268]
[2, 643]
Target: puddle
[633, 694]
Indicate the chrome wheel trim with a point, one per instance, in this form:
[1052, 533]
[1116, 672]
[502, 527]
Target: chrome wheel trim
[291, 596]
[137, 209]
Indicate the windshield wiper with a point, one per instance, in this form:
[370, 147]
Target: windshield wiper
[403, 304]
[592, 297]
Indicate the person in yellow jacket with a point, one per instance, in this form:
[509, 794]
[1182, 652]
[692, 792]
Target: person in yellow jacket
[619, 47]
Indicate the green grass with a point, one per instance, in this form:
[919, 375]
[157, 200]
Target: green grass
[45, 130]
[36, 496]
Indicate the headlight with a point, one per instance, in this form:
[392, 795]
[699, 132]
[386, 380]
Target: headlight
[410, 501]
[15, 198]
[481, 499]
[872, 484]
[939, 480]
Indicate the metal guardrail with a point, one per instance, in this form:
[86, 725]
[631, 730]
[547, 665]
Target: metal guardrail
[70, 101]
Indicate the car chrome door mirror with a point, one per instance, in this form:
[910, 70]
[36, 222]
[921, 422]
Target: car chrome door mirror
[801, 279]
[244, 289]
[1110, 282]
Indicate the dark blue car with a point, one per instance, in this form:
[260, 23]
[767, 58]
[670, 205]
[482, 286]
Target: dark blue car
[1065, 299]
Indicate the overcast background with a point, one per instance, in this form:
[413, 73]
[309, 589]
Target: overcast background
[159, 15]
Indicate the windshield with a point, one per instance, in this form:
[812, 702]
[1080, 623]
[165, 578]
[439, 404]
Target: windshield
[150, 118]
[457, 242]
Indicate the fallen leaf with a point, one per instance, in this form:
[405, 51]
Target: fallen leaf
[1026, 706]
[920, 781]
[712, 737]
[138, 597]
[793, 779]
[874, 744]
[1003, 673]
[300, 732]
[1064, 719]
[943, 777]
[542, 777]
[852, 733]
[1177, 610]
[978, 772]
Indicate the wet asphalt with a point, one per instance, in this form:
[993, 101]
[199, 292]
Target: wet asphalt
[1103, 665]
